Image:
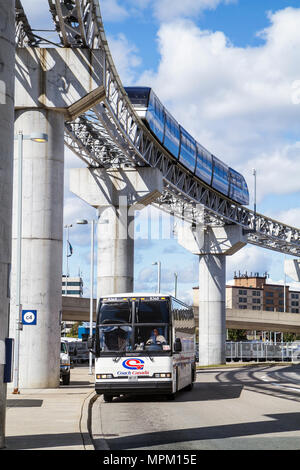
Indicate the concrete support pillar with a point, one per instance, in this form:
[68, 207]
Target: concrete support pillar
[212, 313]
[212, 245]
[42, 235]
[115, 251]
[116, 193]
[7, 60]
[51, 85]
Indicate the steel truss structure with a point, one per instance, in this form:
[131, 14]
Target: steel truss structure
[112, 135]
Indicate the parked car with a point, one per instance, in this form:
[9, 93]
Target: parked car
[65, 363]
[81, 352]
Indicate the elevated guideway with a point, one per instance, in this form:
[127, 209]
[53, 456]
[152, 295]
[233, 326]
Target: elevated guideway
[102, 128]
[111, 134]
[78, 309]
[262, 320]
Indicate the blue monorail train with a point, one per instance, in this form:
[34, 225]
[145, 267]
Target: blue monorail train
[185, 148]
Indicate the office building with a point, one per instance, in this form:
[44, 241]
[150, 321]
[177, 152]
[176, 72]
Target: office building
[72, 286]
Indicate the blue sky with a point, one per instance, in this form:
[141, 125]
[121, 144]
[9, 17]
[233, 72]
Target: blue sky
[228, 70]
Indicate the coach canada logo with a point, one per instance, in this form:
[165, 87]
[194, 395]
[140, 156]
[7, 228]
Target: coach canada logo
[134, 366]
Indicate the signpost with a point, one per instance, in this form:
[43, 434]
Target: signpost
[29, 317]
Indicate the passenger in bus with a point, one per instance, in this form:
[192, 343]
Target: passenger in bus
[115, 340]
[156, 338]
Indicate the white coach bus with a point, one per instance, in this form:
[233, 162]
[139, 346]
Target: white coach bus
[144, 343]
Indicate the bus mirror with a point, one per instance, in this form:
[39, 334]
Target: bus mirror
[90, 343]
[177, 345]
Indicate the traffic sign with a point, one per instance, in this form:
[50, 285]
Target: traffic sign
[29, 317]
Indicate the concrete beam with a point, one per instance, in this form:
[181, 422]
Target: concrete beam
[87, 102]
[203, 240]
[102, 187]
[56, 77]
[262, 320]
[78, 309]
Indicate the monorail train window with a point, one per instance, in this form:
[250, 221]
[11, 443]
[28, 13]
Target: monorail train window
[172, 134]
[156, 116]
[204, 164]
[159, 109]
[187, 150]
[220, 176]
[138, 95]
[152, 312]
[236, 179]
[115, 313]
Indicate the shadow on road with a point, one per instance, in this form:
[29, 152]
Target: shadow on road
[247, 378]
[42, 441]
[201, 392]
[284, 422]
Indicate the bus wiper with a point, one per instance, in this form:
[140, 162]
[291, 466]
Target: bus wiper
[116, 359]
[130, 310]
[137, 308]
[148, 354]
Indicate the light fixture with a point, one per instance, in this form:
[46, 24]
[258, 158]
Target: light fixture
[39, 138]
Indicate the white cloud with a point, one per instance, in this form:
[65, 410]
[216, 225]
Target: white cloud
[278, 173]
[238, 102]
[113, 11]
[125, 56]
[163, 10]
[290, 217]
[251, 259]
[166, 10]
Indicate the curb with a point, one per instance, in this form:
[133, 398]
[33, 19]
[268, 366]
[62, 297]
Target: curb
[85, 421]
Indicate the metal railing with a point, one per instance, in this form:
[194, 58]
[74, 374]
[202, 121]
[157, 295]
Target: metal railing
[262, 351]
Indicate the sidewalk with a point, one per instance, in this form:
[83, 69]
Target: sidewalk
[51, 419]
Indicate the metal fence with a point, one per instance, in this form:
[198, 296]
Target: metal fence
[262, 351]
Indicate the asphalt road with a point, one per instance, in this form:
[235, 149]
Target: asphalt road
[254, 407]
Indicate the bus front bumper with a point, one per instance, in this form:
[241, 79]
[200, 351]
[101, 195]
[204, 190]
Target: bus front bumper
[134, 388]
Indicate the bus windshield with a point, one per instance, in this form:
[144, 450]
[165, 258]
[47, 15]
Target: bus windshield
[140, 325]
[149, 311]
[115, 312]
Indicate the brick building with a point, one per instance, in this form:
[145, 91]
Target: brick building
[255, 293]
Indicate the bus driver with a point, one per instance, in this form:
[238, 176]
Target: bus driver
[156, 338]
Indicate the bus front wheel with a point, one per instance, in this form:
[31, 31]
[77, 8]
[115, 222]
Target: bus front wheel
[107, 398]
[171, 396]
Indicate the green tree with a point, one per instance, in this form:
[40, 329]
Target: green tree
[237, 335]
[73, 333]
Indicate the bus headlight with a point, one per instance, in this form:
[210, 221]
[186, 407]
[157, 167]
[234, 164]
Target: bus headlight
[166, 375]
[104, 376]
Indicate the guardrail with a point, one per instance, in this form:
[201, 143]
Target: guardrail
[262, 351]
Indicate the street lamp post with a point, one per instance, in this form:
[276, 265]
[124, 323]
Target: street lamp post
[254, 174]
[158, 264]
[92, 222]
[67, 256]
[176, 283]
[20, 137]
